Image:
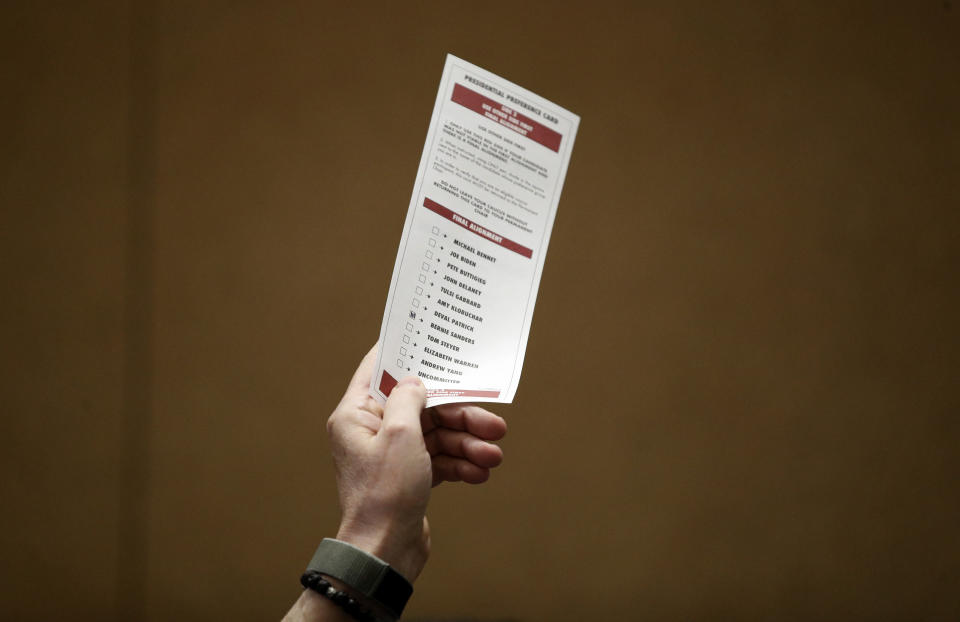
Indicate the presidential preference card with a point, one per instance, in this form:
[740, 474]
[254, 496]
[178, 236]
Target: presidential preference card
[465, 281]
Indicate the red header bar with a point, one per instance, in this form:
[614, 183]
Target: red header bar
[507, 117]
[483, 232]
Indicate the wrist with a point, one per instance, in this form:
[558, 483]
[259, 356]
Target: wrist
[365, 575]
[327, 593]
[405, 549]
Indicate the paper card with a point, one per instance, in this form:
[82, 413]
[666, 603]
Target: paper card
[475, 238]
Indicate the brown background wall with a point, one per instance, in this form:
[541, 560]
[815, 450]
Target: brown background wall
[739, 398]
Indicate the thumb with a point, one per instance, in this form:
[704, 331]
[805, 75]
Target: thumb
[402, 411]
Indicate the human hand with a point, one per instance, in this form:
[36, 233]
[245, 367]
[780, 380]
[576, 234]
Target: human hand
[388, 456]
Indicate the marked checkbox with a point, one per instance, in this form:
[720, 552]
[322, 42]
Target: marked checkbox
[416, 303]
[422, 278]
[435, 230]
[406, 339]
[400, 363]
[403, 351]
[429, 254]
[419, 290]
[409, 327]
[425, 267]
[432, 242]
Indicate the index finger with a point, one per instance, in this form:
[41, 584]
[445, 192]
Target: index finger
[359, 386]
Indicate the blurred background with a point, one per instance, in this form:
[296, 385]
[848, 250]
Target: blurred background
[740, 394]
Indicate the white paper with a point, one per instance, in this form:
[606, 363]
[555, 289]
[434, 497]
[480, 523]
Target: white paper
[467, 272]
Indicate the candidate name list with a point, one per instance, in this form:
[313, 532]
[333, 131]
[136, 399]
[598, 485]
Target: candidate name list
[455, 324]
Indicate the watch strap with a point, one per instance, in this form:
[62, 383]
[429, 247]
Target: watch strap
[363, 572]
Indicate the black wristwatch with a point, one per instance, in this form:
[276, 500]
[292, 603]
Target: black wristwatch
[363, 572]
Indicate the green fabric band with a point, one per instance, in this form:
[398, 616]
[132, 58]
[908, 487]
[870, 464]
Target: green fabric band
[363, 572]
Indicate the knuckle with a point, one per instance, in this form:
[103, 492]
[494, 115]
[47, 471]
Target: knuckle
[399, 430]
[416, 390]
[332, 422]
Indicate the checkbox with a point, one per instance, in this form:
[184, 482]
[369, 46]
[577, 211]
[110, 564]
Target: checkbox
[432, 242]
[425, 267]
[416, 303]
[403, 351]
[409, 327]
[400, 363]
[435, 230]
[419, 290]
[422, 278]
[429, 254]
[406, 339]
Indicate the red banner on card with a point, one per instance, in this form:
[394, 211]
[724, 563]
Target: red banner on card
[469, 225]
[507, 117]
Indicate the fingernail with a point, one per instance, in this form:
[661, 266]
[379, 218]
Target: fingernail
[411, 380]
